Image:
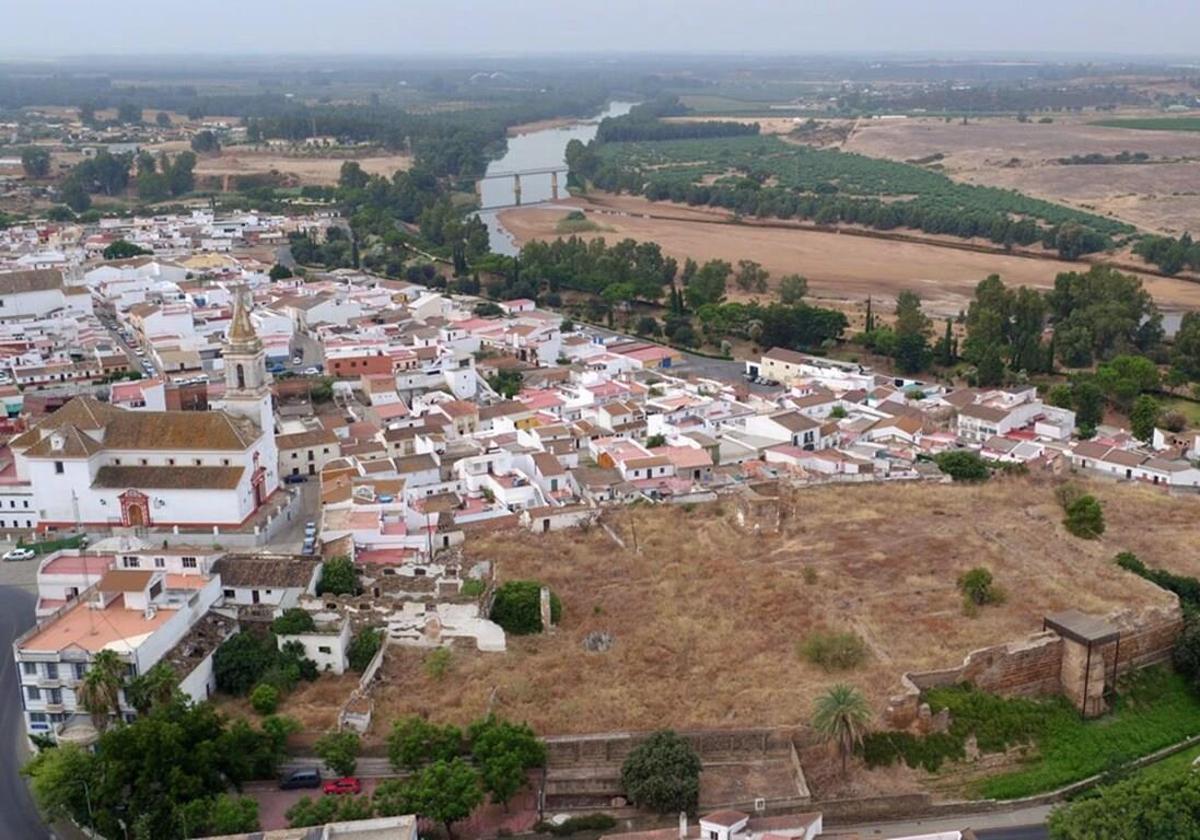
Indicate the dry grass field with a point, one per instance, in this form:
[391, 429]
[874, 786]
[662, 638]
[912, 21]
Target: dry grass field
[839, 268]
[707, 620]
[1002, 152]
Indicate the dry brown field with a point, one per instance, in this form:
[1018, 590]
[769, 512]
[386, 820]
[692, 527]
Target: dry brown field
[1160, 197]
[707, 620]
[320, 171]
[840, 268]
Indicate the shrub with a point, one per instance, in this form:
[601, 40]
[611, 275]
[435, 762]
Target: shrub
[338, 577]
[962, 465]
[929, 752]
[293, 621]
[979, 588]
[1186, 654]
[241, 660]
[583, 822]
[437, 663]
[1085, 518]
[264, 699]
[1067, 494]
[517, 607]
[473, 588]
[834, 651]
[363, 647]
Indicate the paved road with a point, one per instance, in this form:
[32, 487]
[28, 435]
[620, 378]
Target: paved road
[1026, 832]
[19, 817]
[1017, 824]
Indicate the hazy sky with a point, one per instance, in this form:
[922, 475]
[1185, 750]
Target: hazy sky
[400, 27]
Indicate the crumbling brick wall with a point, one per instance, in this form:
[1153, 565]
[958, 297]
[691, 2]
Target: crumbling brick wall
[1033, 666]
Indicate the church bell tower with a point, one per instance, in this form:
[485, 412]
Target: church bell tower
[247, 384]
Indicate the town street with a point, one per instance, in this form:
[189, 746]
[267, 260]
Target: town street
[19, 817]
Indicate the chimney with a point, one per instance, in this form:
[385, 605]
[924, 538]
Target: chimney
[683, 825]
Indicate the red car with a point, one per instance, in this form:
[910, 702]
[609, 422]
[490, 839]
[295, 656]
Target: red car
[347, 785]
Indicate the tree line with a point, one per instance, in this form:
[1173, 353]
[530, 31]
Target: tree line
[644, 122]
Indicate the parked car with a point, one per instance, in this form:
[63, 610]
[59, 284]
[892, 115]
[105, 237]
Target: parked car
[308, 777]
[347, 785]
[310, 528]
[310, 371]
[298, 478]
[20, 554]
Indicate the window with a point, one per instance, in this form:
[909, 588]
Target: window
[189, 562]
[198, 462]
[80, 670]
[228, 593]
[160, 562]
[144, 462]
[37, 717]
[55, 696]
[116, 462]
[170, 462]
[26, 503]
[324, 650]
[131, 562]
[52, 670]
[224, 462]
[30, 668]
[58, 467]
[32, 692]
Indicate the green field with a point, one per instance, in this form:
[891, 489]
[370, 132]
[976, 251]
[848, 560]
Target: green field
[1156, 709]
[758, 163]
[704, 104]
[1188, 408]
[1153, 123]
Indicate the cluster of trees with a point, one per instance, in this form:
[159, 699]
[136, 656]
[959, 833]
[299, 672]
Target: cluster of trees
[206, 142]
[1171, 255]
[1162, 805]
[796, 326]
[773, 179]
[1097, 314]
[247, 661]
[907, 342]
[158, 180]
[123, 250]
[35, 161]
[336, 251]
[106, 174]
[1095, 158]
[441, 785]
[644, 122]
[167, 774]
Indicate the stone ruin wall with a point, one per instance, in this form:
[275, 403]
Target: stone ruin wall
[1034, 665]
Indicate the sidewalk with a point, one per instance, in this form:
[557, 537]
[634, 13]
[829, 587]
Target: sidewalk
[979, 822]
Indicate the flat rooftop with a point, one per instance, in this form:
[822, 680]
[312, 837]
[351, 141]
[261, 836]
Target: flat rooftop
[113, 628]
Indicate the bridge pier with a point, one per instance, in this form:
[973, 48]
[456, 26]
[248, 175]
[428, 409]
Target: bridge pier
[554, 185]
[517, 188]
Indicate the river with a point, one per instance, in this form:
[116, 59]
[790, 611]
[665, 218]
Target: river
[534, 150]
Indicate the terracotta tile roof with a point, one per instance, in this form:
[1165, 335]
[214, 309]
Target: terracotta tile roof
[125, 580]
[306, 439]
[74, 444]
[267, 573]
[169, 478]
[37, 280]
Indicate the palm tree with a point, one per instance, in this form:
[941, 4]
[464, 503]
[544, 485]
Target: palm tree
[152, 689]
[100, 691]
[841, 716]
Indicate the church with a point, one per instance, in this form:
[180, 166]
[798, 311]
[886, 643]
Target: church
[90, 464]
